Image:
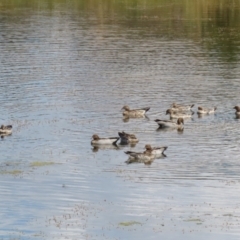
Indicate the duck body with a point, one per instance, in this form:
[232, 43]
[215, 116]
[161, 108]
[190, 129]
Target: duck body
[126, 138]
[135, 112]
[158, 151]
[174, 114]
[7, 130]
[96, 140]
[170, 123]
[202, 110]
[145, 157]
[180, 107]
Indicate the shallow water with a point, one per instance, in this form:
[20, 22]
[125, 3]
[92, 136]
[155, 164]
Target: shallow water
[66, 71]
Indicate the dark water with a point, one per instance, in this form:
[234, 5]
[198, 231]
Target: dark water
[67, 68]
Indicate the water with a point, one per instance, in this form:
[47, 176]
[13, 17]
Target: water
[67, 68]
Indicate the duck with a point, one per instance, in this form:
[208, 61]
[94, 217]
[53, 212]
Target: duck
[144, 157]
[126, 138]
[180, 107]
[96, 140]
[6, 129]
[170, 123]
[202, 110]
[134, 112]
[237, 111]
[174, 114]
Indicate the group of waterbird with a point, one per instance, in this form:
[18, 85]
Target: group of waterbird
[177, 112]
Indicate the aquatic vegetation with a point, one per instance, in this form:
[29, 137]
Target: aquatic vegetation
[11, 172]
[41, 164]
[197, 220]
[228, 215]
[130, 223]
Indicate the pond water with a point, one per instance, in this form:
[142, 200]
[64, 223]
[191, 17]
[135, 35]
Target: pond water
[67, 68]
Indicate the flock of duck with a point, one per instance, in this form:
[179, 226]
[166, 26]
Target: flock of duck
[177, 113]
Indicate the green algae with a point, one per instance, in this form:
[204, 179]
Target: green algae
[227, 215]
[12, 172]
[197, 220]
[130, 223]
[41, 164]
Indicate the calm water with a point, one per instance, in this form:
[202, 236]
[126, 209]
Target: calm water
[67, 68]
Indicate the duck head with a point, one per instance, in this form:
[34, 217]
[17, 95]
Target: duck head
[148, 147]
[180, 120]
[169, 111]
[95, 137]
[200, 108]
[126, 108]
[237, 108]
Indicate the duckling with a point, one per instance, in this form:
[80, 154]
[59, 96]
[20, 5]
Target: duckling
[126, 138]
[96, 140]
[202, 110]
[170, 123]
[6, 129]
[134, 112]
[174, 114]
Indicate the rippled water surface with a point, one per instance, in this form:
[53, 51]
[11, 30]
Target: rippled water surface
[67, 68]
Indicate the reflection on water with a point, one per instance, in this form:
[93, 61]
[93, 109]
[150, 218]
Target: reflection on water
[104, 147]
[67, 68]
[127, 119]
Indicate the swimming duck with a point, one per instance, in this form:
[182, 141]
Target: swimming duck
[126, 138]
[180, 107]
[145, 157]
[170, 123]
[135, 112]
[237, 111]
[6, 129]
[174, 114]
[202, 110]
[96, 140]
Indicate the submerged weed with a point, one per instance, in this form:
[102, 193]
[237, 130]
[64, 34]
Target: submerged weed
[13, 172]
[197, 220]
[126, 224]
[41, 164]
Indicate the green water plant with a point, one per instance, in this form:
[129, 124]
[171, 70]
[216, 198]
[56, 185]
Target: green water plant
[130, 223]
[41, 164]
[12, 172]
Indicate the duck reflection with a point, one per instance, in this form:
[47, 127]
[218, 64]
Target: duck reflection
[134, 160]
[2, 135]
[96, 148]
[179, 130]
[127, 118]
